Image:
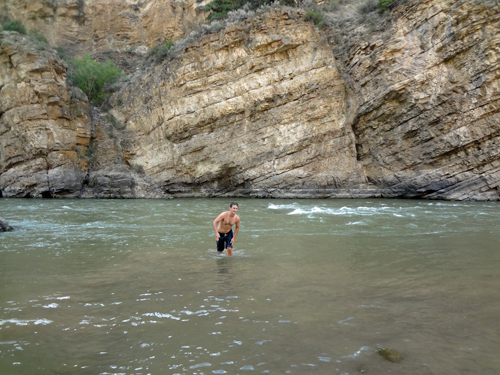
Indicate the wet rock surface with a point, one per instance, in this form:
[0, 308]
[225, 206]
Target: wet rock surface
[392, 355]
[4, 226]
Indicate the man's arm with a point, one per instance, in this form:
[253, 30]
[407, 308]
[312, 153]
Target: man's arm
[236, 230]
[215, 222]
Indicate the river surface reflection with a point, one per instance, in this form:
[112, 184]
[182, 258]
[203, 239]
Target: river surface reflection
[314, 286]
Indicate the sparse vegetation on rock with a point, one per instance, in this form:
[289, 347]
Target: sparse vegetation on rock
[220, 9]
[38, 38]
[318, 18]
[115, 123]
[91, 76]
[162, 51]
[14, 26]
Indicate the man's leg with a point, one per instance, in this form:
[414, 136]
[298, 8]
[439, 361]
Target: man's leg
[220, 244]
[229, 243]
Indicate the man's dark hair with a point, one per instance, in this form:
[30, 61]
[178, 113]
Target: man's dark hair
[233, 204]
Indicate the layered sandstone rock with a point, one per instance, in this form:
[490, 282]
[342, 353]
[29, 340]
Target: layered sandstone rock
[44, 128]
[258, 108]
[428, 122]
[106, 25]
[264, 108]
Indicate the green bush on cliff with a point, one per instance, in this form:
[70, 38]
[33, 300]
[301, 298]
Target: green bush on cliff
[384, 5]
[92, 76]
[162, 51]
[38, 38]
[317, 17]
[220, 9]
[14, 26]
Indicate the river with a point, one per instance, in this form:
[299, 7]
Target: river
[314, 287]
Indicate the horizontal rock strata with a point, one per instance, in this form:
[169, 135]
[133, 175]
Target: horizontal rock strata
[428, 121]
[44, 129]
[106, 25]
[257, 108]
[263, 108]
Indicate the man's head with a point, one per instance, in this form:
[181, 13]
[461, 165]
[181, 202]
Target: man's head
[233, 207]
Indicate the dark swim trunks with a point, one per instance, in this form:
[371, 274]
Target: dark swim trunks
[224, 241]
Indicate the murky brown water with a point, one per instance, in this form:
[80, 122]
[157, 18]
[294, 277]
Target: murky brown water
[314, 287]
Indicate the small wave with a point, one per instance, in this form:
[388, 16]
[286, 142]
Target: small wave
[160, 315]
[345, 320]
[199, 312]
[362, 349]
[356, 223]
[282, 206]
[51, 306]
[21, 322]
[315, 210]
[330, 211]
[203, 364]
[342, 211]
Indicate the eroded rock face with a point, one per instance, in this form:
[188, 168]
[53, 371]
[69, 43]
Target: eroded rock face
[44, 129]
[106, 25]
[264, 108]
[428, 122]
[256, 109]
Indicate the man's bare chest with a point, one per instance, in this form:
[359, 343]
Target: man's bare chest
[229, 221]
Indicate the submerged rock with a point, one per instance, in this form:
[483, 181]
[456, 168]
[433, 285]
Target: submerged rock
[392, 355]
[363, 368]
[4, 226]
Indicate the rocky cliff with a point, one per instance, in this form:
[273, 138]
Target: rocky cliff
[44, 124]
[267, 106]
[428, 117]
[106, 25]
[259, 107]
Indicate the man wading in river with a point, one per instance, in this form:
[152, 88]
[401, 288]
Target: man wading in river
[223, 227]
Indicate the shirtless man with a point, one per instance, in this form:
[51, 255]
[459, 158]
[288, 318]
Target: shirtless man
[223, 227]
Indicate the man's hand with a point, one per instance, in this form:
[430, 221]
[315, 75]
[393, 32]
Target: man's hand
[217, 236]
[232, 241]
